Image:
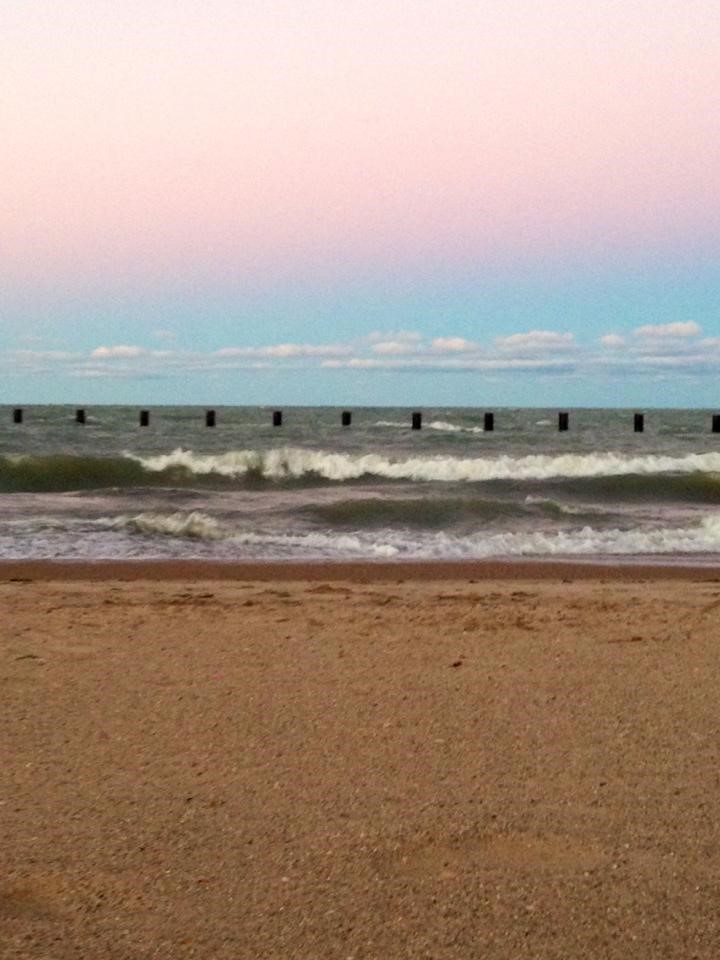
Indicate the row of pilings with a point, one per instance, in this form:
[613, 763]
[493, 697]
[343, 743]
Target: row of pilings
[416, 419]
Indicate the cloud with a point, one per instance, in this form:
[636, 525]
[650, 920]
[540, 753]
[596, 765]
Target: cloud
[365, 363]
[116, 373]
[535, 341]
[680, 329]
[430, 364]
[304, 350]
[287, 350]
[453, 345]
[120, 351]
[395, 347]
[674, 351]
[612, 340]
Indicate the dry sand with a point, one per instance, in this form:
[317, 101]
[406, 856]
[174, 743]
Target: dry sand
[383, 767]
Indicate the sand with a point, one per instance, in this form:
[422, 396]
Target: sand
[372, 762]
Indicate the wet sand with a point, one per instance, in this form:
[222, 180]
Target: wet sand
[354, 571]
[373, 761]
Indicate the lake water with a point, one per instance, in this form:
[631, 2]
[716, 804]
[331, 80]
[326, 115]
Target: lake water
[313, 489]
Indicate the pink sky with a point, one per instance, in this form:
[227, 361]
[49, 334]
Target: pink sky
[141, 139]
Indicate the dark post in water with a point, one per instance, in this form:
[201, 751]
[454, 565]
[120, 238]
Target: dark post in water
[80, 415]
[417, 421]
[346, 418]
[277, 418]
[489, 422]
[716, 423]
[144, 418]
[639, 422]
[209, 418]
[17, 415]
[563, 421]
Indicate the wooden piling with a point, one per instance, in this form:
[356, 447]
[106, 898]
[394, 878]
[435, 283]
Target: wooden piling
[209, 418]
[716, 423]
[277, 418]
[639, 422]
[489, 422]
[417, 421]
[563, 421]
[17, 415]
[80, 415]
[144, 418]
[346, 418]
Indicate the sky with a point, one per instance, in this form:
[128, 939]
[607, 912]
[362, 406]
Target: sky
[439, 202]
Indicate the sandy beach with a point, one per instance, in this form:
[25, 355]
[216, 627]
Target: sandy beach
[359, 761]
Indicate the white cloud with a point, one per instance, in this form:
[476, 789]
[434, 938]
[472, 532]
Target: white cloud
[369, 363]
[436, 364]
[680, 329]
[453, 345]
[287, 350]
[120, 351]
[674, 351]
[114, 373]
[237, 352]
[395, 347]
[305, 350]
[535, 341]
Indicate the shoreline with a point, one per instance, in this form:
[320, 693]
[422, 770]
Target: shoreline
[357, 571]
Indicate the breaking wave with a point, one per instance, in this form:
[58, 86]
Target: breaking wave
[194, 525]
[297, 463]
[200, 527]
[690, 477]
[57, 472]
[196, 534]
[701, 538]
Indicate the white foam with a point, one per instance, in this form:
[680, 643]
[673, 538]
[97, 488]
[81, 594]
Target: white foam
[317, 544]
[442, 425]
[295, 463]
[195, 525]
[453, 427]
[702, 537]
[588, 541]
[566, 508]
[199, 526]
[195, 534]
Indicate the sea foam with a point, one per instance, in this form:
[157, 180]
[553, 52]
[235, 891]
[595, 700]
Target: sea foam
[195, 525]
[697, 538]
[296, 463]
[442, 425]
